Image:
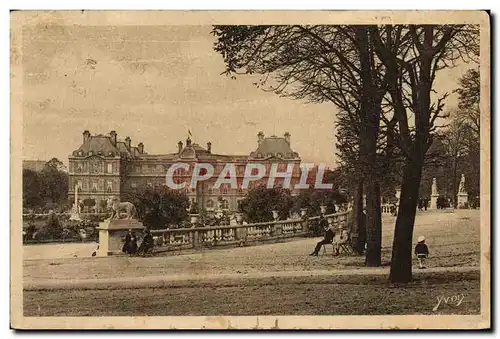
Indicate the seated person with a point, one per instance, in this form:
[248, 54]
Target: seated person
[147, 243]
[327, 238]
[341, 238]
[421, 251]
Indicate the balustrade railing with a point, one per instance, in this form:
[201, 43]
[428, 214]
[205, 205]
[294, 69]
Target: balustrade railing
[210, 236]
[388, 209]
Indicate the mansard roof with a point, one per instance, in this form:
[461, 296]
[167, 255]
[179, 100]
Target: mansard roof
[276, 147]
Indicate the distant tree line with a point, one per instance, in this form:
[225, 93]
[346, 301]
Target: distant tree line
[46, 189]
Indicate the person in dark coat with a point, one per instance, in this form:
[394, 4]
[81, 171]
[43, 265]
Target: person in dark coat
[147, 243]
[126, 243]
[421, 251]
[327, 238]
[132, 248]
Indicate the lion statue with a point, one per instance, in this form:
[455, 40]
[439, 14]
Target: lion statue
[117, 206]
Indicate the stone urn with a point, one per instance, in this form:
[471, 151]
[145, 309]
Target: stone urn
[303, 212]
[194, 218]
[239, 217]
[323, 209]
[275, 214]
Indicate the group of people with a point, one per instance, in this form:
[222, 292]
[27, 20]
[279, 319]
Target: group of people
[337, 239]
[130, 244]
[423, 204]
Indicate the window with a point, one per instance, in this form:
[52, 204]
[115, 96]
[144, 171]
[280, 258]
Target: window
[224, 204]
[109, 186]
[110, 168]
[79, 184]
[133, 184]
[210, 203]
[94, 187]
[209, 188]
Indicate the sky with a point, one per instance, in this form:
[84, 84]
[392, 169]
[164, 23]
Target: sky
[153, 84]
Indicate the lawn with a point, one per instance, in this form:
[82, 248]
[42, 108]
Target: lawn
[338, 295]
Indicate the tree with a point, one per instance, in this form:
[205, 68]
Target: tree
[320, 64]
[469, 93]
[31, 189]
[261, 201]
[51, 230]
[413, 54]
[313, 199]
[158, 207]
[54, 182]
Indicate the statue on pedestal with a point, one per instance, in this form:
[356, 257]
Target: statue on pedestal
[462, 196]
[461, 187]
[117, 206]
[75, 210]
[434, 187]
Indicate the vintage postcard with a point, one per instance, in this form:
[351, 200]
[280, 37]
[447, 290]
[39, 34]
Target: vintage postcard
[250, 170]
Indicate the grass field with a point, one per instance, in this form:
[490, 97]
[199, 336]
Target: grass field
[348, 295]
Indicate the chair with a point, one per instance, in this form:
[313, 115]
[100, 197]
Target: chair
[324, 247]
[345, 246]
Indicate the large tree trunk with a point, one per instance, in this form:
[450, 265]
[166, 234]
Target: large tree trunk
[401, 264]
[359, 220]
[370, 110]
[373, 224]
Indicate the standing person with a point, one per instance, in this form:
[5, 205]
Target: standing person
[426, 202]
[147, 243]
[132, 248]
[126, 243]
[421, 251]
[327, 238]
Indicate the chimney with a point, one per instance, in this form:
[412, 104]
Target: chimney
[209, 147]
[140, 146]
[112, 134]
[86, 136]
[287, 138]
[128, 142]
[260, 137]
[179, 146]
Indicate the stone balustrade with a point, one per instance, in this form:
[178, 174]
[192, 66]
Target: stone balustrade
[388, 209]
[239, 235]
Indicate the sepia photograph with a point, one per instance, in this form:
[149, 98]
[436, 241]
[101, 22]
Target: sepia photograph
[250, 170]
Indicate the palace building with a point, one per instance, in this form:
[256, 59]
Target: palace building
[104, 166]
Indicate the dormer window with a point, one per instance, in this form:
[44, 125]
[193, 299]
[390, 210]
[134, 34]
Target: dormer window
[99, 153]
[269, 154]
[80, 153]
[259, 155]
[279, 155]
[91, 153]
[110, 154]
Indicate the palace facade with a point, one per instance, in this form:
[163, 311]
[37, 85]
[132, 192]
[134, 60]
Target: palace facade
[104, 166]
